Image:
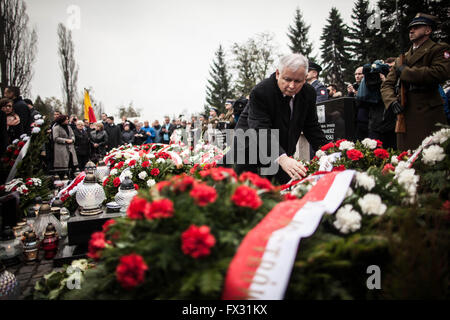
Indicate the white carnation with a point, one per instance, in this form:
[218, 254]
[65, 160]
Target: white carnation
[16, 141]
[22, 189]
[433, 154]
[346, 145]
[369, 143]
[26, 139]
[151, 182]
[23, 136]
[39, 122]
[127, 173]
[114, 172]
[160, 160]
[38, 116]
[365, 181]
[150, 156]
[36, 130]
[320, 154]
[347, 219]
[402, 165]
[371, 204]
[394, 160]
[142, 175]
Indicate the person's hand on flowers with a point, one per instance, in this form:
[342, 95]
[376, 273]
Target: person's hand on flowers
[292, 167]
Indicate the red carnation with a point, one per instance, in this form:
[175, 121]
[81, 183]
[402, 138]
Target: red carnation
[402, 156]
[379, 143]
[108, 223]
[203, 194]
[338, 143]
[16, 152]
[182, 183]
[119, 165]
[387, 168]
[246, 197]
[145, 164]
[256, 180]
[354, 154]
[29, 183]
[381, 153]
[327, 146]
[136, 187]
[132, 163]
[162, 155]
[116, 182]
[160, 209]
[154, 172]
[105, 182]
[289, 196]
[138, 208]
[338, 168]
[131, 271]
[96, 244]
[197, 241]
[21, 144]
[161, 185]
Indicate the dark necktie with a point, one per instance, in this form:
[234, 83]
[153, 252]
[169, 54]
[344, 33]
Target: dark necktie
[286, 102]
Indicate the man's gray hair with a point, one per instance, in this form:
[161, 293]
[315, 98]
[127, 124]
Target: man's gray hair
[293, 62]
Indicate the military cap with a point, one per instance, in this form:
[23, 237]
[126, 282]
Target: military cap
[314, 66]
[215, 109]
[424, 19]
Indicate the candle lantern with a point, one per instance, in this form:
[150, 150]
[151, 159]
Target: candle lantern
[126, 194]
[90, 196]
[9, 247]
[30, 247]
[90, 167]
[64, 217]
[9, 286]
[44, 218]
[102, 171]
[50, 242]
[21, 228]
[56, 207]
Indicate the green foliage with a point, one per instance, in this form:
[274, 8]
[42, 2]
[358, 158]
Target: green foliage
[335, 55]
[299, 37]
[219, 87]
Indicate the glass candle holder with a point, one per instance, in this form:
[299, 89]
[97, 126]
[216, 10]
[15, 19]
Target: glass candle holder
[9, 245]
[50, 242]
[90, 196]
[126, 194]
[101, 171]
[30, 247]
[43, 219]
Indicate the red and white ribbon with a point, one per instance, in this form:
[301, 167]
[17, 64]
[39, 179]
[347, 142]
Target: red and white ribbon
[263, 263]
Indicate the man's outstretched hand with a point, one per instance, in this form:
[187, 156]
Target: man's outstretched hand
[292, 167]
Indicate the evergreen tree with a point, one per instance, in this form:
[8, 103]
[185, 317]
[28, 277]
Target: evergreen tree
[362, 35]
[43, 108]
[298, 36]
[219, 88]
[335, 56]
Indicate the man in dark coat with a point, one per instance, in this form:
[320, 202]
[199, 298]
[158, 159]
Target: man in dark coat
[286, 103]
[20, 107]
[82, 144]
[33, 111]
[425, 65]
[114, 134]
[166, 130]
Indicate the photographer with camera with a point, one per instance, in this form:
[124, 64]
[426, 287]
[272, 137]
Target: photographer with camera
[238, 107]
[381, 124]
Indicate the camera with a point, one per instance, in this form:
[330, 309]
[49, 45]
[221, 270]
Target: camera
[239, 105]
[372, 74]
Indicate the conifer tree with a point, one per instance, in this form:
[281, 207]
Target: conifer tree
[335, 56]
[219, 87]
[298, 36]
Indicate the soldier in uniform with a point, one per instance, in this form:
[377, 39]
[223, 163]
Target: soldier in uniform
[229, 116]
[213, 118]
[312, 78]
[424, 67]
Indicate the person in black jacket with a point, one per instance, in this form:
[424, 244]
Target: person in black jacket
[139, 135]
[33, 111]
[127, 134]
[82, 144]
[20, 107]
[114, 134]
[286, 103]
[14, 126]
[99, 140]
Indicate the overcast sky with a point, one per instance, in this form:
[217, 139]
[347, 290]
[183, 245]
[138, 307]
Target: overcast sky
[158, 53]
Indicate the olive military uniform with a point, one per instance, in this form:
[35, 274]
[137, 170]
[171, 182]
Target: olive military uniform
[424, 69]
